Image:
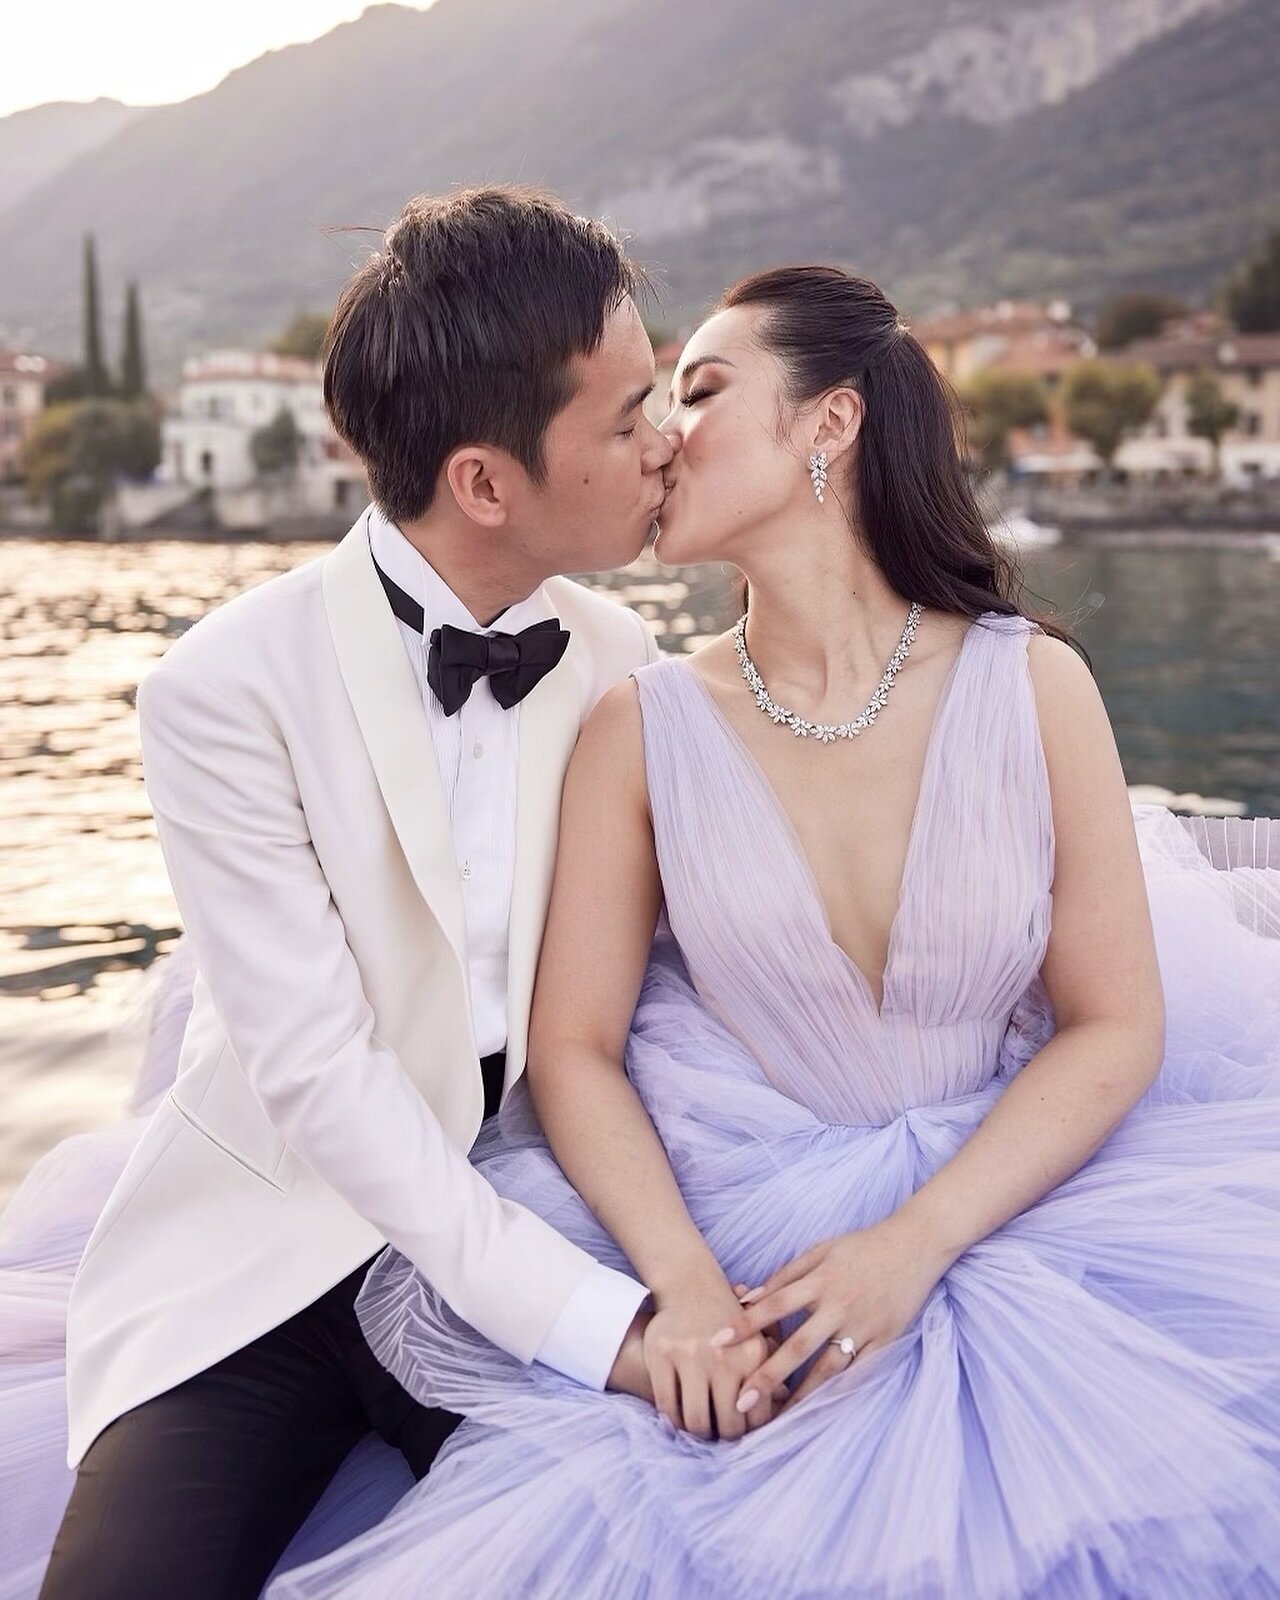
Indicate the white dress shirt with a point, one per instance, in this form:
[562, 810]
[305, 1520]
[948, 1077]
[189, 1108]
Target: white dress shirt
[477, 751]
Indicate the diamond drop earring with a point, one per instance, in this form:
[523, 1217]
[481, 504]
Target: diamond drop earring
[818, 472]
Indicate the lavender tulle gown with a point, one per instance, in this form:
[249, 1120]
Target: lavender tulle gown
[1088, 1404]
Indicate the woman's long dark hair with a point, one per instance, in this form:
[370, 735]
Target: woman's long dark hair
[915, 510]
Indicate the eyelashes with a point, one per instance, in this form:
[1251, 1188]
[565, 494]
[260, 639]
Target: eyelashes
[692, 398]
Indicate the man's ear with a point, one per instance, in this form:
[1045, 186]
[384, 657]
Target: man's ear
[479, 479]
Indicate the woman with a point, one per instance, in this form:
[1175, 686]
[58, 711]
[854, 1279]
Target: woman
[898, 1060]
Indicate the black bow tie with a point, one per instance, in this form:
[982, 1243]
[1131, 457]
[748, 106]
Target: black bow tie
[457, 659]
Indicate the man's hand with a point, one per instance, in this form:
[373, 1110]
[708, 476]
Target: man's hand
[696, 1379]
[630, 1374]
[630, 1371]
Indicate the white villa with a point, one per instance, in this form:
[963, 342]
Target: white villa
[224, 397]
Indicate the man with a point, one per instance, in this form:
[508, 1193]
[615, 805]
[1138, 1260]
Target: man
[356, 771]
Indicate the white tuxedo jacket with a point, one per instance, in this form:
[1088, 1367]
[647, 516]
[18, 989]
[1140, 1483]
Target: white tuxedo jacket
[329, 1086]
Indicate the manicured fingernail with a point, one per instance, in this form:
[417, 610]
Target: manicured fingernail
[724, 1337]
[751, 1296]
[748, 1398]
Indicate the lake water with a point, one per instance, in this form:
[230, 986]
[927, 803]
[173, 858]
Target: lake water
[1185, 642]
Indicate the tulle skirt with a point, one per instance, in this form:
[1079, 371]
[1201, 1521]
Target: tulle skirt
[1087, 1406]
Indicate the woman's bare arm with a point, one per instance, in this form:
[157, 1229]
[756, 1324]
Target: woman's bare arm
[600, 926]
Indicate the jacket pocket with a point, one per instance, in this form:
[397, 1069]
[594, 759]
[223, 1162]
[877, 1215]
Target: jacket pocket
[263, 1173]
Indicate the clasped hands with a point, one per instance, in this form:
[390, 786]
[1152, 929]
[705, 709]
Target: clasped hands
[712, 1359]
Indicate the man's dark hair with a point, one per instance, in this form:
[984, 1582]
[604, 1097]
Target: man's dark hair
[463, 329]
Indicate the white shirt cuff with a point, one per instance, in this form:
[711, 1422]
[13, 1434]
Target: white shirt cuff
[584, 1340]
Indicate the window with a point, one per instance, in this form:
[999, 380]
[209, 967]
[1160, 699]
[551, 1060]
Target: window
[8, 395]
[206, 463]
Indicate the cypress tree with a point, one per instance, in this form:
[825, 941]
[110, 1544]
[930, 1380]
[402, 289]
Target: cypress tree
[133, 369]
[97, 380]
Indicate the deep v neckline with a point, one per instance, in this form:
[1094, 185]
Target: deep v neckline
[791, 835]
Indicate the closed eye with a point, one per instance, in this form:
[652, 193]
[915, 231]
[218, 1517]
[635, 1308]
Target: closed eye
[694, 395]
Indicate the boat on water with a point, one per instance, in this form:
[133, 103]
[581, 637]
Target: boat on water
[1023, 532]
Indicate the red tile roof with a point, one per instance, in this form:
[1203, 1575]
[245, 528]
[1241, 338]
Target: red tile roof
[1227, 351]
[22, 364]
[257, 364]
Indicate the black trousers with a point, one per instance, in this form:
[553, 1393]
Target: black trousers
[196, 1494]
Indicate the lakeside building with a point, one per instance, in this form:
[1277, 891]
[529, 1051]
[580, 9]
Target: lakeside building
[1247, 367]
[23, 378]
[1041, 342]
[963, 343]
[223, 399]
[1047, 352]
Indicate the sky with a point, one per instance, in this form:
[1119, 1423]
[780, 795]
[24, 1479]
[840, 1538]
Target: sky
[147, 52]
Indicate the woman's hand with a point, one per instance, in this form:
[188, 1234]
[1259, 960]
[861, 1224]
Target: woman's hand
[867, 1286]
[696, 1372]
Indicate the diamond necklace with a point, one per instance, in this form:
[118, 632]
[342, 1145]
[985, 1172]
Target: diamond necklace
[826, 732]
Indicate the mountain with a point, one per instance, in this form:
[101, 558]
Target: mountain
[955, 149]
[39, 142]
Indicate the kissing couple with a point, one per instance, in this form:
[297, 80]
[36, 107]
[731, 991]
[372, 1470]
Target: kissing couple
[772, 1121]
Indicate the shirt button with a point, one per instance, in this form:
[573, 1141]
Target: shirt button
[477, 750]
[466, 872]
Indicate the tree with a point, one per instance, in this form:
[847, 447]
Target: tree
[1209, 412]
[46, 451]
[1104, 400]
[76, 451]
[70, 384]
[1139, 314]
[97, 378]
[995, 403]
[275, 448]
[1251, 296]
[303, 337]
[133, 367]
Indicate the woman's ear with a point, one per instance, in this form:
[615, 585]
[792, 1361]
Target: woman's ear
[838, 421]
[477, 479]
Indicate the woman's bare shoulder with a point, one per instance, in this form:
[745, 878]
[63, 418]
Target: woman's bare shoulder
[610, 747]
[1075, 730]
[1060, 676]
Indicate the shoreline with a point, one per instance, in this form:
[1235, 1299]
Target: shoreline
[1156, 533]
